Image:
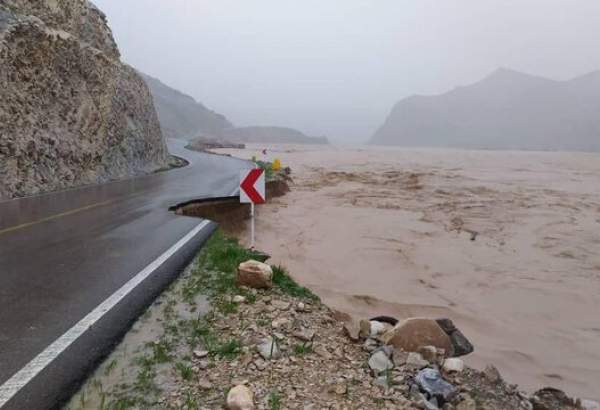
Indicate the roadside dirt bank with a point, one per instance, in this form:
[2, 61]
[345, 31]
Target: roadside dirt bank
[504, 243]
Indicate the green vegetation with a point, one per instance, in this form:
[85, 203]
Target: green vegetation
[212, 276]
[283, 281]
[268, 167]
[275, 400]
[302, 349]
[185, 371]
[228, 350]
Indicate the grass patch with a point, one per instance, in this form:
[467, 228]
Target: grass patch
[228, 350]
[302, 349]
[111, 366]
[161, 351]
[283, 281]
[184, 370]
[226, 306]
[275, 400]
[214, 277]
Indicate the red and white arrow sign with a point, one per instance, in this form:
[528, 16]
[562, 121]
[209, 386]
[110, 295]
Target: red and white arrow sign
[252, 186]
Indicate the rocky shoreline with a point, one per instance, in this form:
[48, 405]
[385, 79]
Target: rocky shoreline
[265, 342]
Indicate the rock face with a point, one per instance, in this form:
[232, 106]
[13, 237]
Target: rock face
[506, 110]
[180, 115]
[70, 112]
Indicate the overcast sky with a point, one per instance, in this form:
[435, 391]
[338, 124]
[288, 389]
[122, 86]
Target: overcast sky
[336, 67]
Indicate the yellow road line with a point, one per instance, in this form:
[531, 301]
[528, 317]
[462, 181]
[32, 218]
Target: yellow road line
[50, 218]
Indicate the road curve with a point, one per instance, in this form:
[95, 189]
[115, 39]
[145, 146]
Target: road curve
[78, 266]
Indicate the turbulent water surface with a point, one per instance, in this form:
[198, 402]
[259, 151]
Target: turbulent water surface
[505, 243]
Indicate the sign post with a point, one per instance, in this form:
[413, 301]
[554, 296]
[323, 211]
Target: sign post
[252, 191]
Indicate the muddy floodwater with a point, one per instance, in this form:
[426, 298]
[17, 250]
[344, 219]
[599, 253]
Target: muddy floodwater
[507, 244]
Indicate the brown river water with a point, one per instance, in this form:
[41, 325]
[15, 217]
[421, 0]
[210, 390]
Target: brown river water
[507, 244]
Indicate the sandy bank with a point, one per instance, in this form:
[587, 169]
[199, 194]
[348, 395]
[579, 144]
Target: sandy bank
[504, 243]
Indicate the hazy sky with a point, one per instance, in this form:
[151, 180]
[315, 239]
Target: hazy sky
[336, 67]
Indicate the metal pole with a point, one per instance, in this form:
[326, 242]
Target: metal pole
[252, 225]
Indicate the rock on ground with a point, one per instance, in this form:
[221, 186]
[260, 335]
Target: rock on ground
[240, 398]
[254, 274]
[71, 113]
[413, 334]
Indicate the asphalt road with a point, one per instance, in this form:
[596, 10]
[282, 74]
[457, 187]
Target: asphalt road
[78, 266]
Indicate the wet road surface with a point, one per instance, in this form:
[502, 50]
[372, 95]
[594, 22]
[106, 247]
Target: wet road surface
[63, 254]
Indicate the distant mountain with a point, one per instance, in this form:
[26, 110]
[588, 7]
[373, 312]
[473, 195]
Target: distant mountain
[180, 115]
[506, 110]
[270, 135]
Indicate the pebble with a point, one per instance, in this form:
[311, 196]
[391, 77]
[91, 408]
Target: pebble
[380, 362]
[305, 335]
[238, 299]
[281, 305]
[280, 322]
[352, 330]
[205, 384]
[467, 404]
[453, 365]
[370, 345]
[377, 328]
[492, 374]
[269, 349]
[323, 352]
[416, 361]
[200, 353]
[590, 405]
[382, 381]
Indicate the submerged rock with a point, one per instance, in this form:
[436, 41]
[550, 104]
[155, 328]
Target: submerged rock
[590, 405]
[460, 344]
[553, 399]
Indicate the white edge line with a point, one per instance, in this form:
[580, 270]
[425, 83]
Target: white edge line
[20, 379]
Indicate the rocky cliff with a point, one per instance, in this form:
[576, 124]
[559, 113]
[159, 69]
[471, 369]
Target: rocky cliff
[71, 113]
[506, 110]
[181, 116]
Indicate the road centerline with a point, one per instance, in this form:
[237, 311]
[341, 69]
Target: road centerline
[56, 216]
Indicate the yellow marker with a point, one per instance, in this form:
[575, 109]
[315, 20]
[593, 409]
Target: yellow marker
[276, 165]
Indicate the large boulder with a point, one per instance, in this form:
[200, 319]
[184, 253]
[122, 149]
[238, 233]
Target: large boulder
[71, 113]
[255, 274]
[414, 334]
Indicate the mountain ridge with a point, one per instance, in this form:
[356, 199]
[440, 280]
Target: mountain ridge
[181, 115]
[505, 110]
